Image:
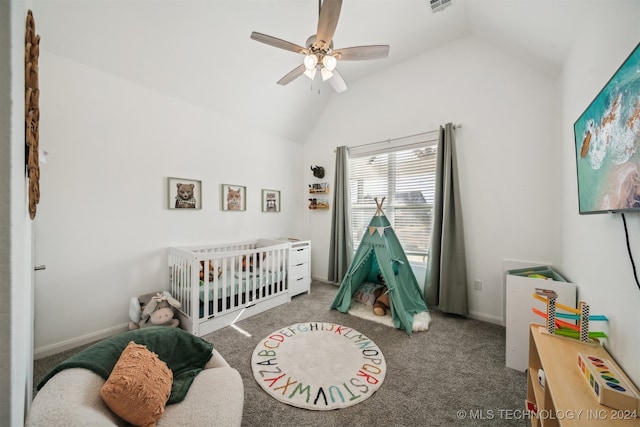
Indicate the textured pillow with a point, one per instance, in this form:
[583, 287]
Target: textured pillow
[139, 386]
[365, 293]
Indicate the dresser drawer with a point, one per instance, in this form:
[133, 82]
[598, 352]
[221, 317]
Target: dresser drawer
[299, 285]
[299, 256]
[300, 270]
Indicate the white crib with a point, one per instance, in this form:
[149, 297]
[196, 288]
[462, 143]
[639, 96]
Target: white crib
[238, 280]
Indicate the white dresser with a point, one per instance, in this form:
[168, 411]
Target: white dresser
[300, 267]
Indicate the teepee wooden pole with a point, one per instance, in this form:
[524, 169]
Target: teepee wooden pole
[379, 206]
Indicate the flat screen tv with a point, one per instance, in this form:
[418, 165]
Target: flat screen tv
[607, 138]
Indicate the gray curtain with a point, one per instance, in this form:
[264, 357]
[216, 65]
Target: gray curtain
[341, 246]
[446, 279]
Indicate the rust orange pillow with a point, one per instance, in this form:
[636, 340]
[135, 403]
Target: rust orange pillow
[139, 386]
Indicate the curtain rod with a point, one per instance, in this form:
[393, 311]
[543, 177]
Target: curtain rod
[389, 140]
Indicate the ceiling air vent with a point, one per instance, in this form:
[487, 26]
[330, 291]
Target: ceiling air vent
[438, 5]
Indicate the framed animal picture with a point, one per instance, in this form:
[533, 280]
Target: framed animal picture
[185, 193]
[234, 197]
[270, 201]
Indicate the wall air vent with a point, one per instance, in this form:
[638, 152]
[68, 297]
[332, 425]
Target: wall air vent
[438, 5]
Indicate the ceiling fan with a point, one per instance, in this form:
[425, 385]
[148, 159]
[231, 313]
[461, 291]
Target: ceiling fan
[318, 51]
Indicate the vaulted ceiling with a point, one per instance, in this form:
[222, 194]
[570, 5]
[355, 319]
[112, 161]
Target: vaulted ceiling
[200, 51]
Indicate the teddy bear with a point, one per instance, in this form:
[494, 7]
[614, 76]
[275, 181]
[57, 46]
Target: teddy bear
[382, 303]
[153, 309]
[185, 198]
[211, 271]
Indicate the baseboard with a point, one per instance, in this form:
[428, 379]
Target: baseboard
[61, 346]
[485, 318]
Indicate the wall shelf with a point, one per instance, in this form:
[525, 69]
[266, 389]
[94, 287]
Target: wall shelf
[321, 187]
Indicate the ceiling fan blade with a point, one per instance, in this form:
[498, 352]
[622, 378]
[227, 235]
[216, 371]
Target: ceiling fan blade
[279, 43]
[327, 22]
[292, 75]
[337, 82]
[358, 53]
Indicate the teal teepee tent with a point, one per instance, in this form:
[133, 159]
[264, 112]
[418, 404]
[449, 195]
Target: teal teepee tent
[380, 251]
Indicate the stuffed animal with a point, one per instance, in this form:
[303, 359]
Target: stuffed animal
[154, 309]
[211, 271]
[255, 257]
[381, 304]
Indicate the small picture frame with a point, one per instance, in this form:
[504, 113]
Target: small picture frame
[184, 193]
[234, 197]
[270, 201]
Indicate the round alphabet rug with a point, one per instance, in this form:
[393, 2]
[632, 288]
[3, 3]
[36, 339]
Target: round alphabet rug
[319, 366]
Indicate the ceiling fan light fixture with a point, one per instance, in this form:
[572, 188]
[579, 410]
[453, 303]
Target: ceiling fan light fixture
[326, 74]
[329, 62]
[310, 62]
[318, 51]
[311, 73]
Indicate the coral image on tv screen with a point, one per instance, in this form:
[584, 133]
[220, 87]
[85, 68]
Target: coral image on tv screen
[607, 135]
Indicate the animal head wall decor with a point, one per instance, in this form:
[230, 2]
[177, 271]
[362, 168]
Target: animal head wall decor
[318, 171]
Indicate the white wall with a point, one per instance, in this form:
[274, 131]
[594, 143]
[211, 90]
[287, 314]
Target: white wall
[103, 226]
[506, 147]
[594, 251]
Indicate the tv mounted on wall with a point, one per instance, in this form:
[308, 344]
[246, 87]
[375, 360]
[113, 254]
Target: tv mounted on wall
[607, 139]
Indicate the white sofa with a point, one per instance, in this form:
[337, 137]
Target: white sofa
[72, 398]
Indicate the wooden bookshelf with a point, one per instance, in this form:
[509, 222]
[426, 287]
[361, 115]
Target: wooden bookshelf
[567, 399]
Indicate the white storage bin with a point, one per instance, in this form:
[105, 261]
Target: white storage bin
[519, 304]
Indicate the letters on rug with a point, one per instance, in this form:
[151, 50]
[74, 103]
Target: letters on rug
[318, 366]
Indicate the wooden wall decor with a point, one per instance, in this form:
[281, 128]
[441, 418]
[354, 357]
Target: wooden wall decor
[32, 112]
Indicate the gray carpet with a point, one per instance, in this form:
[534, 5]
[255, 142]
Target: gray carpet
[457, 367]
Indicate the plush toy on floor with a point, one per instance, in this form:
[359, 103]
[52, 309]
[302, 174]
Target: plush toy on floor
[153, 309]
[381, 304]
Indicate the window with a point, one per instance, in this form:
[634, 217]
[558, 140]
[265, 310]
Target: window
[406, 178]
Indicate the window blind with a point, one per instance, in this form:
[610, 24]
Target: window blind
[405, 176]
